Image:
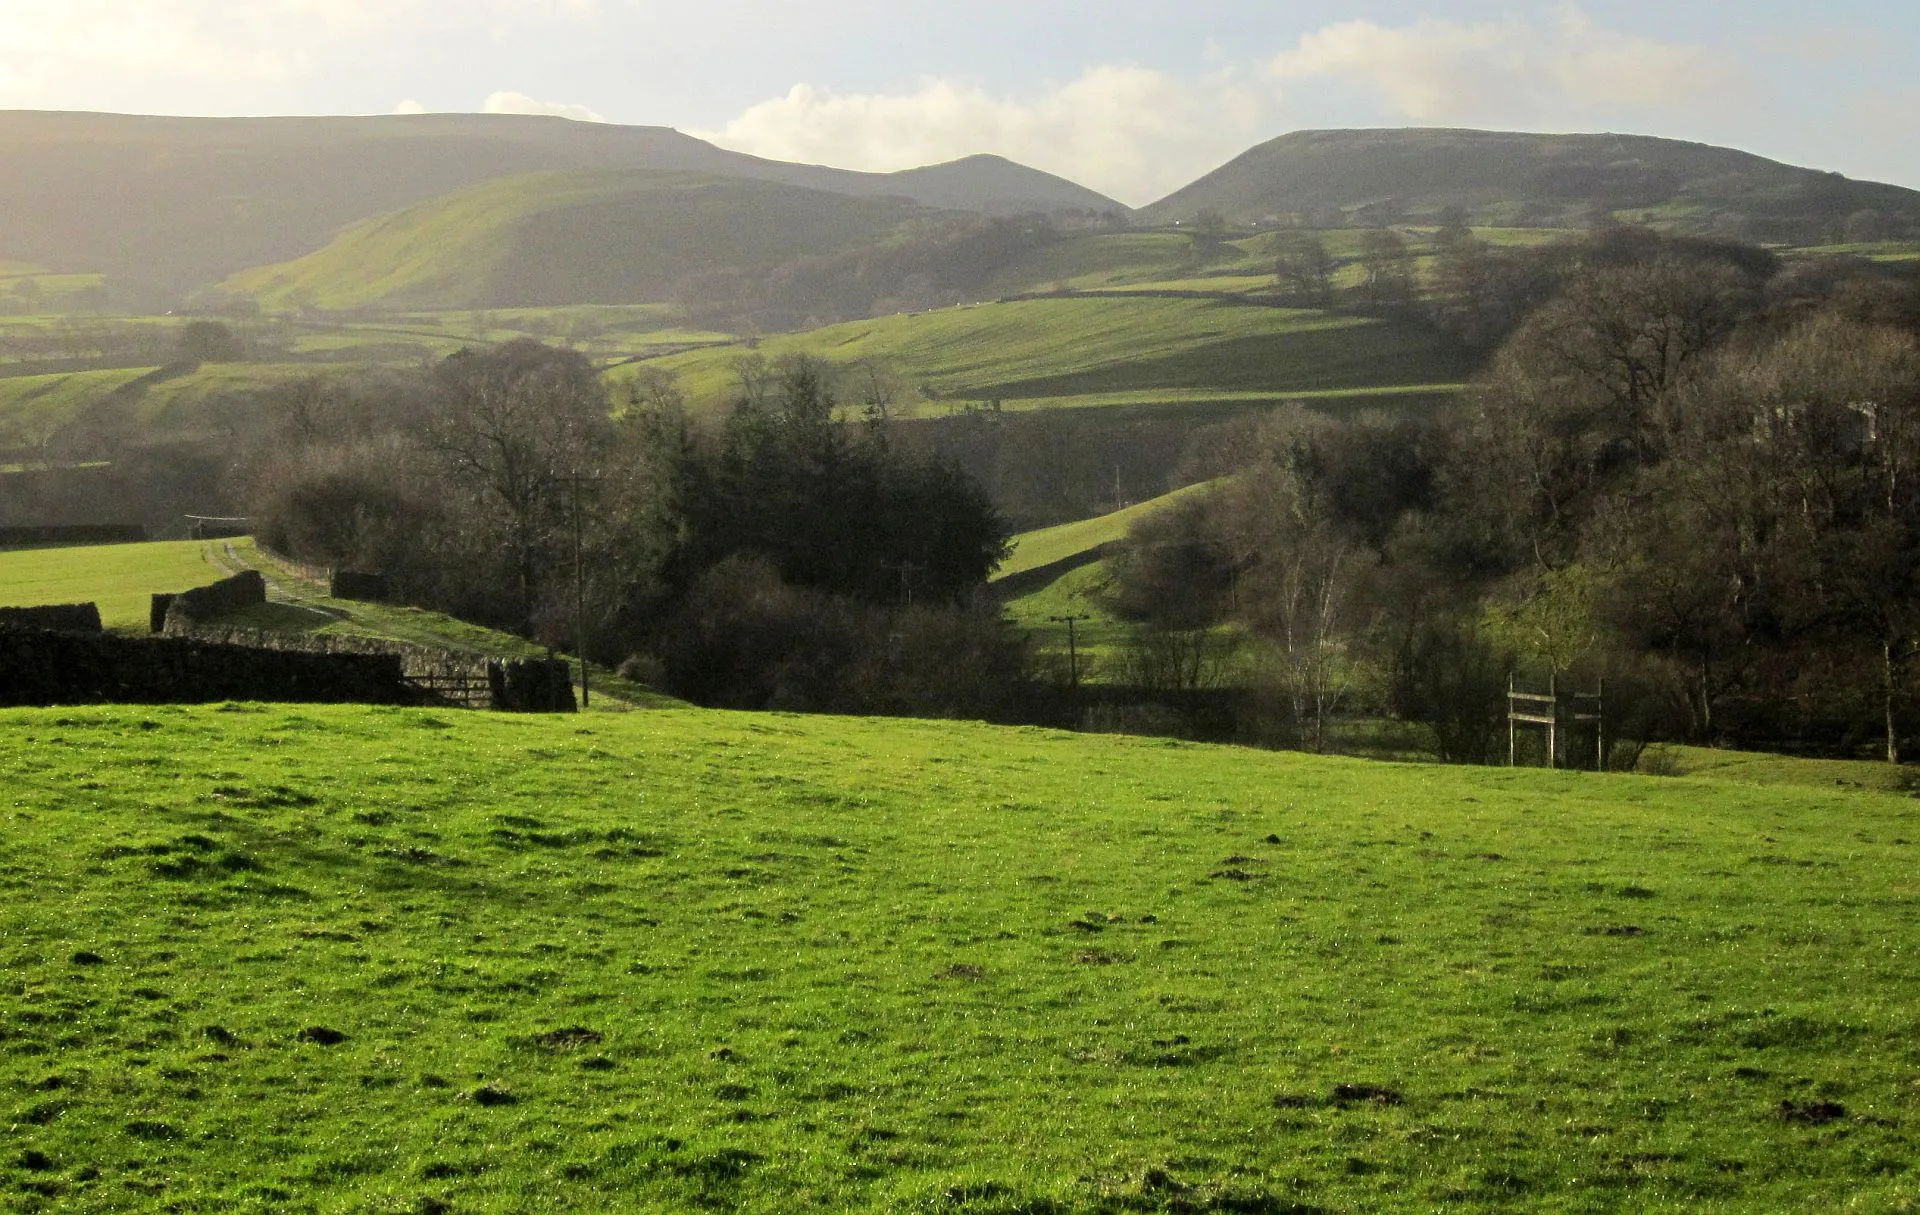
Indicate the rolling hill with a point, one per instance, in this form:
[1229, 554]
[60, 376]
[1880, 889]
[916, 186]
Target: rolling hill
[1511, 178]
[1114, 349]
[571, 238]
[164, 205]
[340, 958]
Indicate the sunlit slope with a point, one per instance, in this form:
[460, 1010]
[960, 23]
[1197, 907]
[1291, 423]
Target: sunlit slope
[181, 402]
[178, 203]
[1028, 351]
[570, 238]
[1049, 545]
[120, 578]
[360, 959]
[1505, 177]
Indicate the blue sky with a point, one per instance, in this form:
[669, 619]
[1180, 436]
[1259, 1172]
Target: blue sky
[1131, 97]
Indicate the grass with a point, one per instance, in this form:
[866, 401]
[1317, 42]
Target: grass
[1188, 398]
[1080, 347]
[1048, 545]
[298, 602]
[120, 578]
[1100, 638]
[179, 403]
[1761, 769]
[541, 239]
[1879, 251]
[33, 407]
[344, 959]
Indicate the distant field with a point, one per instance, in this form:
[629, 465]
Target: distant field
[1322, 398]
[569, 237]
[1879, 251]
[1082, 346]
[121, 578]
[1048, 545]
[331, 959]
[1099, 636]
[33, 406]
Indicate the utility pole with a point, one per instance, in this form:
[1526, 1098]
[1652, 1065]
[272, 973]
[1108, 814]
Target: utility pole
[908, 569]
[580, 592]
[1073, 647]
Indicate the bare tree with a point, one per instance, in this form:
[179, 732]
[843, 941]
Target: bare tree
[513, 425]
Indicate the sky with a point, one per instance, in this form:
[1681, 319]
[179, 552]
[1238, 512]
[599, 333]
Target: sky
[1134, 98]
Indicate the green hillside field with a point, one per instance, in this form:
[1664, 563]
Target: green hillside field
[1079, 590]
[1033, 350]
[350, 959]
[569, 238]
[1034, 549]
[121, 578]
[178, 401]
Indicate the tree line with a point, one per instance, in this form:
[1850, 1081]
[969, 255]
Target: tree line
[1691, 470]
[785, 555]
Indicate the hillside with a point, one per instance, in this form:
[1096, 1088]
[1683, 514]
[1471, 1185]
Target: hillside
[570, 238]
[164, 205]
[1103, 350]
[318, 958]
[1517, 179]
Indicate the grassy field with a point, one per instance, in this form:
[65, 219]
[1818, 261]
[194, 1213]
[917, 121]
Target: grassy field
[1099, 636]
[1079, 347]
[319, 959]
[1048, 545]
[543, 238]
[121, 578]
[179, 402]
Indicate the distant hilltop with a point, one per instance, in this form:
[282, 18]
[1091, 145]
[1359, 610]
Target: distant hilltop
[463, 210]
[180, 203]
[1512, 179]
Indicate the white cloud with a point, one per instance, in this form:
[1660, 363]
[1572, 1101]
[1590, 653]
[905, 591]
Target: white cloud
[102, 53]
[1512, 72]
[520, 103]
[1129, 132]
[409, 106]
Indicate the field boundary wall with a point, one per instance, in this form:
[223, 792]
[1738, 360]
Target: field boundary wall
[39, 667]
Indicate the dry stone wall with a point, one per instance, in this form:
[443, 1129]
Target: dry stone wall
[63, 617]
[57, 668]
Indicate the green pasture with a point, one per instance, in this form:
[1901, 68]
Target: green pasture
[1048, 545]
[568, 237]
[1325, 399]
[1216, 284]
[121, 578]
[1100, 638]
[50, 293]
[179, 400]
[34, 406]
[349, 959]
[1078, 347]
[1879, 250]
[1092, 261]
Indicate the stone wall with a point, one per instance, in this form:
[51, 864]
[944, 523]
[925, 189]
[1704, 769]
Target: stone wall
[84, 533]
[64, 617]
[368, 588]
[50, 668]
[182, 612]
[524, 685]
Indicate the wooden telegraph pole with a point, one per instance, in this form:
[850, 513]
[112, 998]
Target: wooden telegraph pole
[1073, 647]
[580, 591]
